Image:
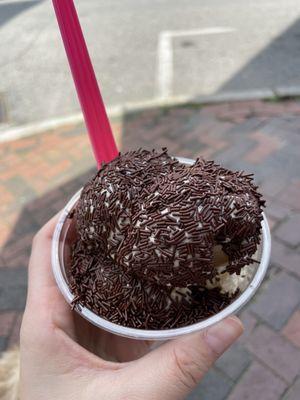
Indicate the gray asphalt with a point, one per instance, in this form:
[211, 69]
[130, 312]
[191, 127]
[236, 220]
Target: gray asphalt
[122, 36]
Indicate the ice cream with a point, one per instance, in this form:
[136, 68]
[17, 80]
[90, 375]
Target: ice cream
[156, 238]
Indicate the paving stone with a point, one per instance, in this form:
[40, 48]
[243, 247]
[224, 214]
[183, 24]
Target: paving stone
[274, 184]
[272, 309]
[277, 210]
[2, 262]
[289, 231]
[25, 226]
[17, 277]
[13, 289]
[83, 178]
[234, 362]
[6, 322]
[283, 162]
[291, 195]
[267, 145]
[285, 257]
[246, 127]
[59, 204]
[13, 298]
[3, 343]
[41, 216]
[276, 352]
[258, 383]
[72, 187]
[14, 338]
[249, 321]
[275, 126]
[20, 187]
[200, 124]
[292, 329]
[227, 156]
[214, 386]
[294, 391]
[272, 223]
[17, 244]
[19, 261]
[44, 202]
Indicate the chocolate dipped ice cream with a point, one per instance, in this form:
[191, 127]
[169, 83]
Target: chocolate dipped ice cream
[161, 244]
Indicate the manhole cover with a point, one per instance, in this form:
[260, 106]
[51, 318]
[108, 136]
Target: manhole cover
[3, 110]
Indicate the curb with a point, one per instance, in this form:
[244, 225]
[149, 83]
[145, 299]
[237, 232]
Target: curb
[11, 133]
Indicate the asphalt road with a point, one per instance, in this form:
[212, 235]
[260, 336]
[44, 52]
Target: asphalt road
[211, 46]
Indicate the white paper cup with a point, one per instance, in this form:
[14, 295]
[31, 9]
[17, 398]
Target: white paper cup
[63, 237]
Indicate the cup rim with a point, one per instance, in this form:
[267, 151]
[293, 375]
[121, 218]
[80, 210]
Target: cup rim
[145, 334]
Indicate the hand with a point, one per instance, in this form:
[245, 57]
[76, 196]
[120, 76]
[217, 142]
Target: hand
[60, 352]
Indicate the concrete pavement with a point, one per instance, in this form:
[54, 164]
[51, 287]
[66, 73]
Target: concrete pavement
[214, 46]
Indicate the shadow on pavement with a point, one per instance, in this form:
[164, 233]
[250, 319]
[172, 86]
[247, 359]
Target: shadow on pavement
[34, 215]
[9, 11]
[16, 250]
[280, 58]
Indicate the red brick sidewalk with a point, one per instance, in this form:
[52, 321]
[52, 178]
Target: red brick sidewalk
[38, 174]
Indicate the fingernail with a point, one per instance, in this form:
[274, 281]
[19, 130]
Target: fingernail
[220, 336]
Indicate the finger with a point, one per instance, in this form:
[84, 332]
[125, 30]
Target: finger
[45, 304]
[40, 276]
[175, 368]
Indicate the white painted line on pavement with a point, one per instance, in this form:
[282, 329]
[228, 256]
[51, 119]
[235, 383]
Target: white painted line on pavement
[164, 65]
[205, 31]
[165, 55]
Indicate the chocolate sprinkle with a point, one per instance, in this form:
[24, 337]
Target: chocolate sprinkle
[147, 227]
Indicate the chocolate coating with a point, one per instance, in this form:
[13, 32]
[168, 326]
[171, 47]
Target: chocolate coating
[124, 299]
[110, 200]
[148, 228]
[160, 220]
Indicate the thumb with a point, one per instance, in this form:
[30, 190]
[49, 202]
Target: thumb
[171, 371]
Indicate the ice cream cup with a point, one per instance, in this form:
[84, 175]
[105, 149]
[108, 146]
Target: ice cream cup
[64, 236]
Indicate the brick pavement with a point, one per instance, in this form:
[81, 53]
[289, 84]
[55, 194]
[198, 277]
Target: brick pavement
[38, 174]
